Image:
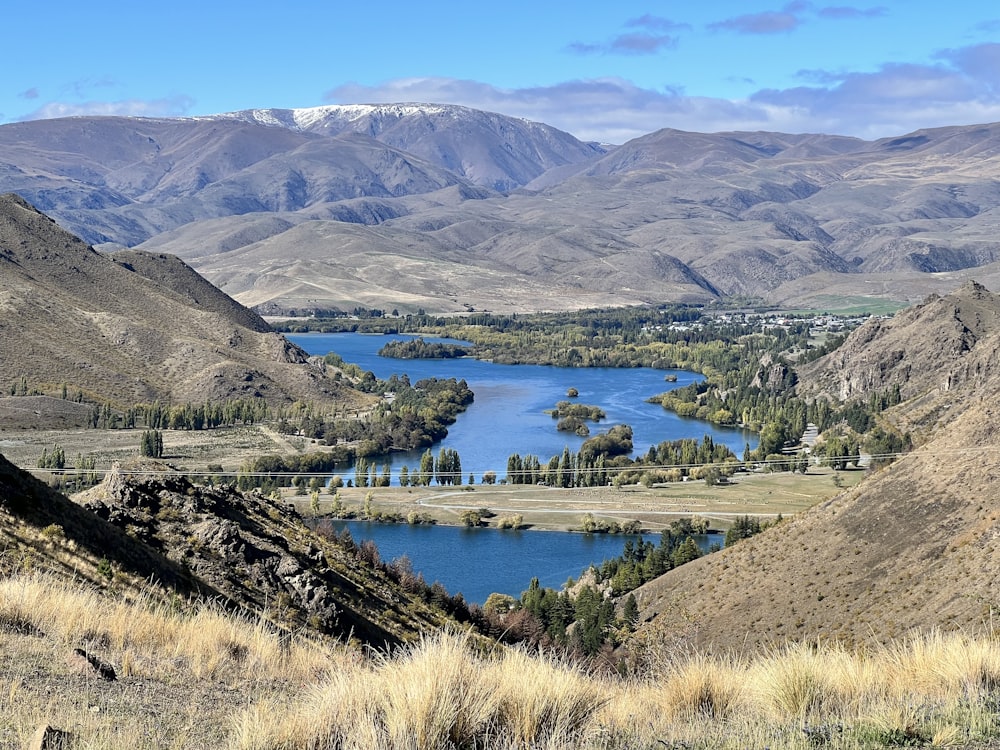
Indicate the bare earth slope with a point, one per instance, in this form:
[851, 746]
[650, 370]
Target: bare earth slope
[915, 546]
[144, 328]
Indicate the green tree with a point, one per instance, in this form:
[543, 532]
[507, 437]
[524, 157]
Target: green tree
[151, 444]
[743, 527]
[54, 460]
[688, 551]
[426, 468]
[630, 613]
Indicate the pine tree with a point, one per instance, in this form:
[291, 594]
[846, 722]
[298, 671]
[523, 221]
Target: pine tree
[630, 613]
[151, 444]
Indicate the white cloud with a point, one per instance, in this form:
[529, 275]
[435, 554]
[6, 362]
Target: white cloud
[897, 98]
[173, 106]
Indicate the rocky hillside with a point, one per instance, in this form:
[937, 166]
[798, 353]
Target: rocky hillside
[915, 545]
[43, 529]
[241, 550]
[407, 206]
[133, 328]
[940, 353]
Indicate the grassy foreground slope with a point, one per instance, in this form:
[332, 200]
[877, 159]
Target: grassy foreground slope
[205, 679]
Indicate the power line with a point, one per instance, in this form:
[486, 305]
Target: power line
[543, 468]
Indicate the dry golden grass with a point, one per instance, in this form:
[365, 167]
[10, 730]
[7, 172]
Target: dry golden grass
[442, 694]
[182, 672]
[438, 693]
[149, 638]
[202, 678]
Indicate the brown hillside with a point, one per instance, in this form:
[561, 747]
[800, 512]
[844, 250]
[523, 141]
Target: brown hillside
[145, 327]
[916, 349]
[164, 536]
[914, 546]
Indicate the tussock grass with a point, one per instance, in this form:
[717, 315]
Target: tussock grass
[149, 638]
[443, 694]
[205, 678]
[439, 693]
[702, 687]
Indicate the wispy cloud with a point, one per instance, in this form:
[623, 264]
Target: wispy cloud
[172, 106]
[979, 63]
[960, 88]
[768, 22]
[791, 16]
[626, 44]
[838, 12]
[651, 38]
[31, 93]
[657, 23]
[898, 97]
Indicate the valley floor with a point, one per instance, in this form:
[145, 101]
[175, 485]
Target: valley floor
[551, 508]
[757, 494]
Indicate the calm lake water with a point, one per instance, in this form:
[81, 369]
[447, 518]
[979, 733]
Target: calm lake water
[508, 415]
[478, 562]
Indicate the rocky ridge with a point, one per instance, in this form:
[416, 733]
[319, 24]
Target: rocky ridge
[258, 552]
[159, 536]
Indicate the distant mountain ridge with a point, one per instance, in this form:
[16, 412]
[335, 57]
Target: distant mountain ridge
[459, 209]
[490, 150]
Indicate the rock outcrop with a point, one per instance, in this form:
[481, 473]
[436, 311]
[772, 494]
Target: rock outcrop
[258, 553]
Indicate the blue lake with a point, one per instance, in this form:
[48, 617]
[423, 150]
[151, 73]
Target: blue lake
[508, 415]
[478, 562]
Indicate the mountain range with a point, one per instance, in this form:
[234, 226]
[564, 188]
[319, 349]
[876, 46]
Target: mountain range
[445, 208]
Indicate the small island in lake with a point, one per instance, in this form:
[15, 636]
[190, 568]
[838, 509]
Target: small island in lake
[420, 349]
[572, 417]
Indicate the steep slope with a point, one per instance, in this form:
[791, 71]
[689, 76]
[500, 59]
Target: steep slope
[925, 349]
[165, 537]
[915, 545]
[133, 331]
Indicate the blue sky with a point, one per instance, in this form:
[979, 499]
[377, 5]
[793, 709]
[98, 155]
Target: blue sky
[602, 71]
